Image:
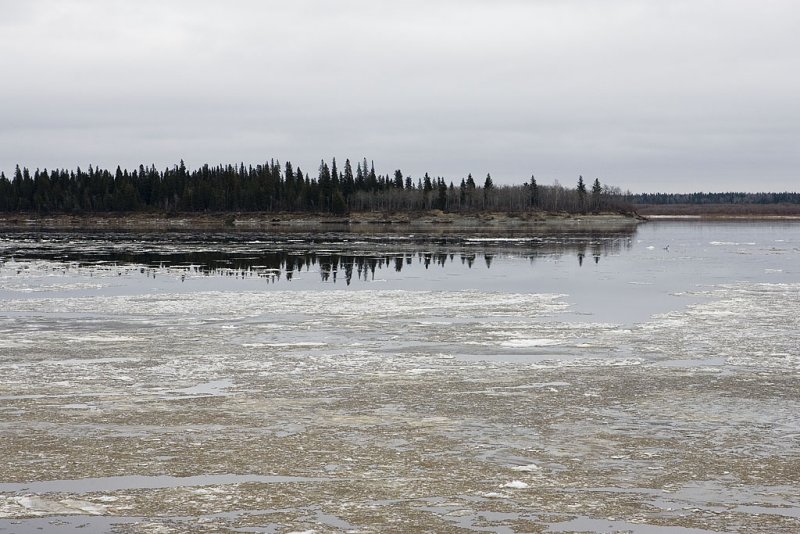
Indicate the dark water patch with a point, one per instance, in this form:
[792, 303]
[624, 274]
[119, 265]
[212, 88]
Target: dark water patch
[65, 524]
[282, 256]
[590, 524]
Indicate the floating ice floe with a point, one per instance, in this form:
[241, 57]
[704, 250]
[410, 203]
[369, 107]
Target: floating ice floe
[98, 338]
[522, 343]
[36, 505]
[526, 468]
[421, 371]
[515, 484]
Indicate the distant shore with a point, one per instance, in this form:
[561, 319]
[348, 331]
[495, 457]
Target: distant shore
[721, 211]
[434, 221]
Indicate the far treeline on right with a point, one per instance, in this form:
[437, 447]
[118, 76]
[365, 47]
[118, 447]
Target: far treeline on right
[274, 188]
[721, 204]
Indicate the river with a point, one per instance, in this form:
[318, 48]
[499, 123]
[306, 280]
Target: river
[641, 381]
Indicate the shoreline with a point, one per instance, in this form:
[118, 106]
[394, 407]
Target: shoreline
[428, 222]
[720, 217]
[720, 211]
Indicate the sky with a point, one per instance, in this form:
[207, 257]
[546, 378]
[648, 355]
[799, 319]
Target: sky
[646, 95]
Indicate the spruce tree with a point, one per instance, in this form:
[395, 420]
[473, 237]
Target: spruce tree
[360, 181]
[288, 185]
[372, 179]
[348, 182]
[442, 200]
[488, 185]
[597, 191]
[581, 195]
[334, 175]
[325, 186]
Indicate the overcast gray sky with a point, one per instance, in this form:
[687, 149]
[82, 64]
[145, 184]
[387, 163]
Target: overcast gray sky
[647, 95]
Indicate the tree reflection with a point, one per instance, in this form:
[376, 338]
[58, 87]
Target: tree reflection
[598, 248]
[274, 259]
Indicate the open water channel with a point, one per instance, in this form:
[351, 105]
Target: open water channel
[642, 381]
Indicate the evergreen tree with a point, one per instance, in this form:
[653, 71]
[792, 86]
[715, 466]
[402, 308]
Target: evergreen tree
[348, 182]
[360, 181]
[288, 184]
[427, 186]
[488, 185]
[372, 180]
[325, 186]
[442, 197]
[334, 175]
[581, 195]
[597, 190]
[7, 200]
[534, 196]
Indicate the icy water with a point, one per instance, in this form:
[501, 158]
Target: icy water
[627, 382]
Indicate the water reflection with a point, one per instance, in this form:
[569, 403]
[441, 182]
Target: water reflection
[596, 251]
[336, 257]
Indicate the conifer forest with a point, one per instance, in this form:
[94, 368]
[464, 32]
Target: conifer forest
[273, 187]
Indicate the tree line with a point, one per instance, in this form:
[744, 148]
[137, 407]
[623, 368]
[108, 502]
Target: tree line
[662, 199]
[272, 187]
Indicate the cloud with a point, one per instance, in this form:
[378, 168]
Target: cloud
[646, 95]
